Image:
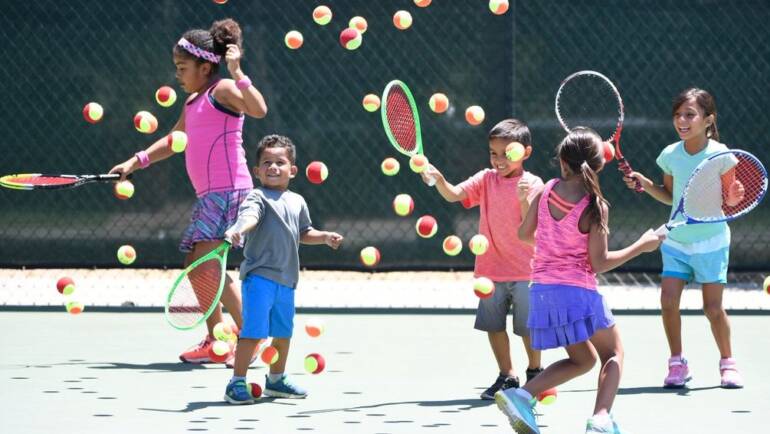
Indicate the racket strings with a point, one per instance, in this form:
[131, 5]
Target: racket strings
[401, 119]
[195, 293]
[752, 178]
[589, 101]
[40, 180]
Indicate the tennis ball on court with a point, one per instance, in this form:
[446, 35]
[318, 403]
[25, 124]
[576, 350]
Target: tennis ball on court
[371, 102]
[126, 255]
[314, 327]
[65, 285]
[223, 332]
[766, 285]
[474, 115]
[255, 390]
[358, 23]
[75, 307]
[314, 363]
[438, 102]
[390, 166]
[609, 152]
[402, 20]
[293, 39]
[426, 226]
[478, 244]
[422, 3]
[452, 245]
[370, 256]
[322, 15]
[483, 287]
[350, 38]
[165, 96]
[418, 163]
[403, 204]
[514, 151]
[316, 172]
[123, 190]
[269, 355]
[498, 7]
[547, 397]
[145, 122]
[93, 112]
[177, 141]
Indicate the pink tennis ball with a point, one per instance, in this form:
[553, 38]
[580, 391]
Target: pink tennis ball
[474, 115]
[452, 245]
[608, 152]
[426, 226]
[316, 172]
[351, 38]
[370, 256]
[145, 122]
[255, 390]
[293, 39]
[165, 96]
[123, 190]
[438, 102]
[314, 363]
[65, 285]
[220, 2]
[269, 355]
[498, 7]
[402, 20]
[483, 287]
[322, 15]
[93, 112]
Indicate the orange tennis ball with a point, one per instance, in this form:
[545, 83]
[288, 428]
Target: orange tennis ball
[75, 307]
[220, 2]
[293, 39]
[483, 287]
[93, 112]
[350, 38]
[478, 244]
[452, 245]
[426, 226]
[418, 163]
[269, 355]
[370, 256]
[438, 102]
[609, 152]
[126, 255]
[165, 96]
[390, 166]
[547, 397]
[422, 3]
[322, 15]
[145, 122]
[316, 172]
[474, 115]
[123, 190]
[402, 20]
[65, 285]
[514, 151]
[359, 23]
[314, 327]
[403, 205]
[371, 102]
[498, 7]
[255, 390]
[314, 363]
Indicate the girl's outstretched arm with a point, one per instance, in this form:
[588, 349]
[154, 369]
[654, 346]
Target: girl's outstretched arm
[603, 260]
[528, 226]
[156, 152]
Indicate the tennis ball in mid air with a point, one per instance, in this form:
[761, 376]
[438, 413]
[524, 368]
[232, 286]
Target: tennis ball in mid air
[177, 141]
[75, 307]
[547, 397]
[426, 226]
[478, 244]
[766, 285]
[314, 363]
[452, 245]
[293, 39]
[314, 327]
[219, 351]
[498, 7]
[223, 332]
[609, 152]
[65, 285]
[359, 23]
[165, 96]
[390, 166]
[350, 38]
[370, 256]
[474, 115]
[123, 190]
[145, 122]
[220, 2]
[402, 20]
[514, 151]
[403, 204]
[371, 102]
[438, 102]
[483, 287]
[422, 3]
[270, 355]
[418, 163]
[255, 390]
[93, 112]
[322, 15]
[126, 255]
[316, 172]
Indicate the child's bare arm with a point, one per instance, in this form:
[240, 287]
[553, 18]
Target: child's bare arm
[450, 192]
[661, 193]
[243, 225]
[314, 236]
[603, 260]
[158, 151]
[528, 226]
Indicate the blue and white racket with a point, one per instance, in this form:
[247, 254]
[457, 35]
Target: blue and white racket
[723, 187]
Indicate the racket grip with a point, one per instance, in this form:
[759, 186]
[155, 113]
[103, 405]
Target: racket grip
[662, 230]
[626, 169]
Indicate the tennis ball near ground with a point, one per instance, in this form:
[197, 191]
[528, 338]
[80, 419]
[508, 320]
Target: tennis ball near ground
[371, 102]
[514, 151]
[483, 287]
[350, 38]
[403, 205]
[269, 355]
[314, 363]
[438, 102]
[478, 244]
[177, 141]
[126, 255]
[402, 20]
[219, 351]
[93, 112]
[145, 122]
[474, 115]
[65, 285]
[293, 39]
[370, 256]
[358, 23]
[316, 172]
[314, 327]
[223, 332]
[452, 245]
[418, 163]
[766, 285]
[547, 397]
[609, 152]
[165, 96]
[422, 3]
[322, 15]
[75, 307]
[123, 190]
[426, 226]
[498, 7]
[390, 166]
[255, 390]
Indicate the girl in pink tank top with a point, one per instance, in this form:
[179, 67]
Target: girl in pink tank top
[569, 230]
[212, 117]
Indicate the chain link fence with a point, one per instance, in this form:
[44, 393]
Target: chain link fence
[60, 55]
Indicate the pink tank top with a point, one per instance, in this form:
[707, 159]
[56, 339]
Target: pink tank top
[214, 156]
[561, 250]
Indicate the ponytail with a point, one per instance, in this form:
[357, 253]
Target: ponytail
[596, 214]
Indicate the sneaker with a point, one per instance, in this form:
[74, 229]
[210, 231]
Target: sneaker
[283, 388]
[532, 373]
[230, 362]
[519, 411]
[728, 370]
[198, 353]
[678, 373]
[238, 393]
[503, 382]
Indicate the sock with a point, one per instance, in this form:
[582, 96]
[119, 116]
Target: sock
[236, 378]
[274, 377]
[523, 393]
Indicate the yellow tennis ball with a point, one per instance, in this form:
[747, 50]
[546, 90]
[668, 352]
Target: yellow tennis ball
[220, 348]
[223, 332]
[514, 151]
[422, 3]
[314, 363]
[370, 256]
[547, 397]
[322, 15]
[145, 122]
[498, 7]
[766, 285]
[93, 112]
[403, 204]
[177, 141]
[293, 39]
[452, 245]
[126, 255]
[123, 190]
[165, 96]
[359, 23]
[474, 115]
[390, 166]
[478, 244]
[402, 20]
[483, 287]
[438, 102]
[371, 102]
[418, 163]
[75, 307]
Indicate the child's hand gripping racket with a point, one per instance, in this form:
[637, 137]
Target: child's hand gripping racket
[401, 120]
[43, 181]
[590, 99]
[723, 187]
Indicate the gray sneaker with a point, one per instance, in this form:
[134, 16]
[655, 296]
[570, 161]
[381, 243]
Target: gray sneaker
[283, 388]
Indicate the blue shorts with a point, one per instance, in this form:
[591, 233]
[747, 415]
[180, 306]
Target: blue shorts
[268, 308]
[708, 267]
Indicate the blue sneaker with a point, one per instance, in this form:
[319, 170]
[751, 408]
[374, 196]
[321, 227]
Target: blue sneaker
[603, 424]
[283, 388]
[238, 393]
[519, 411]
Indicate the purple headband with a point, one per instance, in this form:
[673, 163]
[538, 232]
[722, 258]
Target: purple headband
[198, 51]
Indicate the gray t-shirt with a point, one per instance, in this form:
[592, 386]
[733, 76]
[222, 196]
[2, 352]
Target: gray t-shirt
[271, 249]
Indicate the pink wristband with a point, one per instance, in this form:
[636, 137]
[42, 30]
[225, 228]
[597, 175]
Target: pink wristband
[243, 83]
[144, 159]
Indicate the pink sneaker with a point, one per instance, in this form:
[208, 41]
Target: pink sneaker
[678, 373]
[731, 378]
[198, 353]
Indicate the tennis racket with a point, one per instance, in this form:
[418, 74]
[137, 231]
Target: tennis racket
[197, 290]
[590, 99]
[44, 181]
[401, 120]
[723, 187]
